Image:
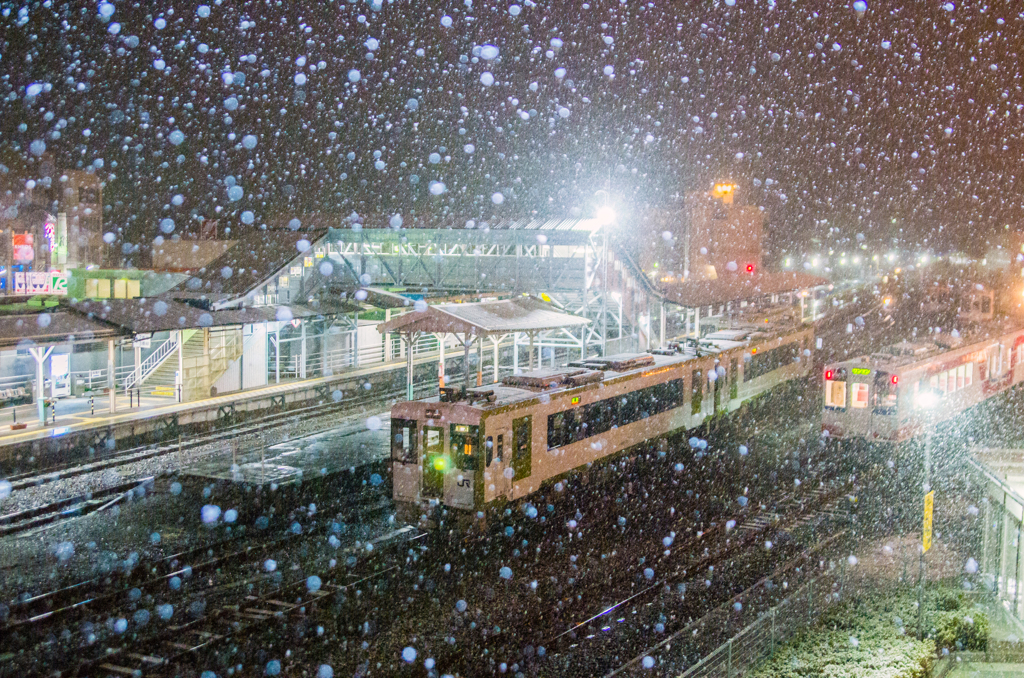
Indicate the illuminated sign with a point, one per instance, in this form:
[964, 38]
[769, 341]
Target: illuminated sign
[576, 400]
[50, 232]
[460, 428]
[308, 262]
[860, 370]
[24, 247]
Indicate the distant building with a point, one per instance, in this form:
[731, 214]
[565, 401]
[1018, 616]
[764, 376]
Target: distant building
[712, 234]
[48, 225]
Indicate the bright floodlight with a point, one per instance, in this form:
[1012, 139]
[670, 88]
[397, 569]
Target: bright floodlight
[927, 400]
[605, 215]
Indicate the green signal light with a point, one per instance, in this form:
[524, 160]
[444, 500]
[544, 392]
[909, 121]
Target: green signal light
[439, 464]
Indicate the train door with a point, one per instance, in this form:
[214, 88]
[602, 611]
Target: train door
[403, 454]
[497, 456]
[884, 392]
[465, 447]
[522, 447]
[434, 462]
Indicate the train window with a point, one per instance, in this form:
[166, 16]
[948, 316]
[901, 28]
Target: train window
[556, 427]
[464, 443]
[522, 457]
[489, 450]
[697, 391]
[960, 372]
[859, 399]
[835, 394]
[628, 408]
[968, 374]
[501, 448]
[403, 440]
[647, 402]
[885, 392]
[601, 416]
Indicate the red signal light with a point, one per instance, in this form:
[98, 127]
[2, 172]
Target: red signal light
[895, 379]
[750, 268]
[828, 375]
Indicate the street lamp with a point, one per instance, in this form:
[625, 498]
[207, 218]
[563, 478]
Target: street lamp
[605, 217]
[926, 401]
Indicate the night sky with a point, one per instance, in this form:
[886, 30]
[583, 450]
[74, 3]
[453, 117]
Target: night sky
[902, 121]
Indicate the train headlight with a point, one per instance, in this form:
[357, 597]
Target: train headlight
[927, 400]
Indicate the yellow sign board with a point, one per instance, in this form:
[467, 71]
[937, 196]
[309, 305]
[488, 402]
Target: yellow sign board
[926, 539]
[308, 262]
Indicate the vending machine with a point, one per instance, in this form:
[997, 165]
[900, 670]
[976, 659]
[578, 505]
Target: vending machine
[60, 375]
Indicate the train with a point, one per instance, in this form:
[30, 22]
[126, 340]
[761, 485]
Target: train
[899, 392]
[476, 448]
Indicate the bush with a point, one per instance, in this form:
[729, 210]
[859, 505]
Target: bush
[961, 630]
[874, 636]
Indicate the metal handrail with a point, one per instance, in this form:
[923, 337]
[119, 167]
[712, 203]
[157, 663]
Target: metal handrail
[152, 362]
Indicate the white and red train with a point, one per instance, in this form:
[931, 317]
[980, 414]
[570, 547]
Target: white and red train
[500, 442]
[893, 395]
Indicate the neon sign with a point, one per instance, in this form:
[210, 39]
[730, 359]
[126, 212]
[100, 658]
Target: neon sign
[50, 232]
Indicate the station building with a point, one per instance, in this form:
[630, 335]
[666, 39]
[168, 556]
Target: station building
[291, 309]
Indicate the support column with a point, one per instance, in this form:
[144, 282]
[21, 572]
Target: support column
[40, 354]
[480, 361]
[302, 354]
[531, 349]
[440, 363]
[661, 332]
[388, 356]
[467, 340]
[496, 342]
[138, 363]
[410, 339]
[111, 383]
[277, 356]
[515, 353]
[696, 322]
[180, 385]
[355, 343]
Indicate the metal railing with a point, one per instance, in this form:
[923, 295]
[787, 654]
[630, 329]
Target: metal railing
[152, 362]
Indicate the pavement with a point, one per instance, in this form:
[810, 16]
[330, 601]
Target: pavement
[973, 670]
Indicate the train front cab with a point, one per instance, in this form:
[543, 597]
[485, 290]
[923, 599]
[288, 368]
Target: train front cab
[435, 460]
[861, 402]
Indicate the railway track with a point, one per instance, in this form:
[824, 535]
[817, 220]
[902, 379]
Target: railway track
[624, 628]
[34, 624]
[72, 507]
[228, 433]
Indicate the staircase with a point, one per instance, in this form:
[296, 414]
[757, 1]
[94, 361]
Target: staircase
[160, 381]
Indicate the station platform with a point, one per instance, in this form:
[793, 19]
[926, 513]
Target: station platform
[75, 417]
[317, 455]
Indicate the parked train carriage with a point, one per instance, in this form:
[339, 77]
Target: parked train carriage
[892, 396]
[501, 442]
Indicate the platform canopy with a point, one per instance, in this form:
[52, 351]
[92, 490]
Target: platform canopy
[485, 318]
[737, 287]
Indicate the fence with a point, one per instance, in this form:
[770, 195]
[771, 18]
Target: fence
[734, 637]
[758, 641]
